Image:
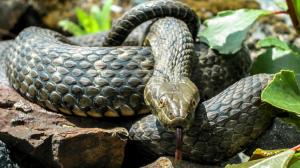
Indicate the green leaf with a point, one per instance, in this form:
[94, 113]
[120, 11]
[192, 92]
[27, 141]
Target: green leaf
[283, 92]
[103, 16]
[281, 56]
[273, 60]
[71, 27]
[96, 21]
[227, 31]
[282, 5]
[273, 42]
[88, 22]
[96, 13]
[297, 8]
[297, 155]
[280, 160]
[295, 164]
[105, 19]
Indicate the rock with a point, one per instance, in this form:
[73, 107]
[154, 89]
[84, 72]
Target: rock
[282, 134]
[297, 42]
[168, 162]
[275, 26]
[56, 140]
[5, 160]
[10, 12]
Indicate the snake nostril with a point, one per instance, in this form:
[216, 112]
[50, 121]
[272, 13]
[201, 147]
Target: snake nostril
[178, 122]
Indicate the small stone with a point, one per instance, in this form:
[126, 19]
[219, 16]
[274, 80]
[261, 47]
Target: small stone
[24, 107]
[169, 162]
[281, 134]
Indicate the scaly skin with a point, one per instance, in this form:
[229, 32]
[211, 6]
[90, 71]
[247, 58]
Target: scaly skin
[97, 82]
[223, 125]
[46, 68]
[170, 93]
[147, 11]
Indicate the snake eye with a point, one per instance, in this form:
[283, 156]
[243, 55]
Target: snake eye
[161, 102]
[193, 103]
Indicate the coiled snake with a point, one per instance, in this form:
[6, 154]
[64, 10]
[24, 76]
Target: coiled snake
[54, 72]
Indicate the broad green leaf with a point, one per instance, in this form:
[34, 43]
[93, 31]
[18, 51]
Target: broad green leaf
[273, 42]
[283, 92]
[71, 27]
[282, 5]
[280, 160]
[281, 56]
[273, 60]
[87, 21]
[227, 31]
[297, 155]
[295, 164]
[295, 161]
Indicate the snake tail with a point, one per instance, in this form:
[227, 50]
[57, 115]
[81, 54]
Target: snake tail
[147, 11]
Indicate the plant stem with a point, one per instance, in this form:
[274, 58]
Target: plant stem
[296, 148]
[279, 12]
[291, 11]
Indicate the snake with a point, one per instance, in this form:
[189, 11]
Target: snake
[176, 78]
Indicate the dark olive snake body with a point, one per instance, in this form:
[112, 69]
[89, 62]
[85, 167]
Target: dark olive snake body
[51, 70]
[223, 126]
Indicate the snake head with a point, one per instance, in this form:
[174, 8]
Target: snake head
[173, 103]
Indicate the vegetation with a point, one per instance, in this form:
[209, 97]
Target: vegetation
[97, 20]
[279, 58]
[281, 158]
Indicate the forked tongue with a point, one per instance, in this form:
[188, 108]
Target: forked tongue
[178, 152]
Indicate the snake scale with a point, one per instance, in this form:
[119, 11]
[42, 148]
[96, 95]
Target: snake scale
[56, 73]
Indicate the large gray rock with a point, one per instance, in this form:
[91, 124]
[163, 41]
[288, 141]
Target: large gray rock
[282, 134]
[10, 12]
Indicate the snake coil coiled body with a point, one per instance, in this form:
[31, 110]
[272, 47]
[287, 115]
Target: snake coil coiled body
[88, 81]
[54, 72]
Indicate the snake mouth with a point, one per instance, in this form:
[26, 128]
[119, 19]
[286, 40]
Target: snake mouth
[178, 122]
[178, 152]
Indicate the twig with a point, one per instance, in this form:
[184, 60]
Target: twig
[279, 12]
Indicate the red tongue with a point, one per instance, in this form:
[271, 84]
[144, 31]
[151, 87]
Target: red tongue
[178, 152]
